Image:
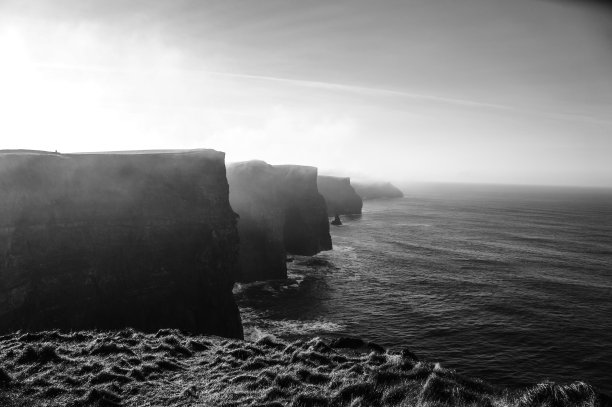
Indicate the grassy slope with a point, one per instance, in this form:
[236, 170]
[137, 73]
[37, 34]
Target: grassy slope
[174, 369]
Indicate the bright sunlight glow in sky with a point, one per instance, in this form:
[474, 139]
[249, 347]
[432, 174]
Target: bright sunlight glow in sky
[469, 91]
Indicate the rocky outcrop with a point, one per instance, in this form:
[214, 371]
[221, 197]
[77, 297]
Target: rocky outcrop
[255, 194]
[375, 190]
[139, 239]
[281, 211]
[340, 197]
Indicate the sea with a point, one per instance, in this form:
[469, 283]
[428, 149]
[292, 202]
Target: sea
[511, 284]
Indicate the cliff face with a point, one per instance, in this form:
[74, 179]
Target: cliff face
[255, 194]
[340, 197]
[146, 240]
[374, 190]
[280, 211]
[306, 224]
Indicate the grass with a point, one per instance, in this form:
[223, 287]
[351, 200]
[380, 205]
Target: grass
[171, 368]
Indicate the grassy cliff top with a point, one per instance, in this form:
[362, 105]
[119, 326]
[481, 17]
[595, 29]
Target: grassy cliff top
[170, 368]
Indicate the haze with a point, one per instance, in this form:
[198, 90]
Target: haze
[491, 91]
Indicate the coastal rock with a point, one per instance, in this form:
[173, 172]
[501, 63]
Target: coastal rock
[255, 194]
[340, 197]
[281, 211]
[109, 240]
[336, 221]
[375, 190]
[306, 224]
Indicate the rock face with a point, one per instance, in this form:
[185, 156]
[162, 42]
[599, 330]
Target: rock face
[255, 194]
[340, 197]
[281, 211]
[376, 190]
[337, 221]
[306, 222]
[140, 239]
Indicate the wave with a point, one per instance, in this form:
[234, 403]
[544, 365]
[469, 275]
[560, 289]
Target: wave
[496, 287]
[257, 323]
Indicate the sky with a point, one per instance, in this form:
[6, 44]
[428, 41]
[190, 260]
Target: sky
[491, 91]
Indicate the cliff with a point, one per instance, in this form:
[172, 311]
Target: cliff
[374, 190]
[255, 194]
[339, 195]
[140, 239]
[306, 225]
[280, 211]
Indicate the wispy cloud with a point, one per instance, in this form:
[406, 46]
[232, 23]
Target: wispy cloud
[416, 96]
[363, 90]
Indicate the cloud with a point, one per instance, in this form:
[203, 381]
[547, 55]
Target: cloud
[426, 90]
[338, 87]
[415, 96]
[285, 135]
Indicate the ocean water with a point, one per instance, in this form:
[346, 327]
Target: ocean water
[509, 284]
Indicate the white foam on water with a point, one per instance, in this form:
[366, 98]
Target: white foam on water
[257, 324]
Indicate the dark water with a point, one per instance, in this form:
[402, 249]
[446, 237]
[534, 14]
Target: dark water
[511, 284]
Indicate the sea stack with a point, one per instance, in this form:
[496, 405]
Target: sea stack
[336, 221]
[340, 197]
[110, 240]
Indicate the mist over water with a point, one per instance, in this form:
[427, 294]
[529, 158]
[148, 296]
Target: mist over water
[511, 284]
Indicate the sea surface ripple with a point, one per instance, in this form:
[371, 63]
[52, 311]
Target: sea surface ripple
[510, 284]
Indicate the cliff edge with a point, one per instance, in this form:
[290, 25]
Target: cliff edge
[339, 195]
[110, 240]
